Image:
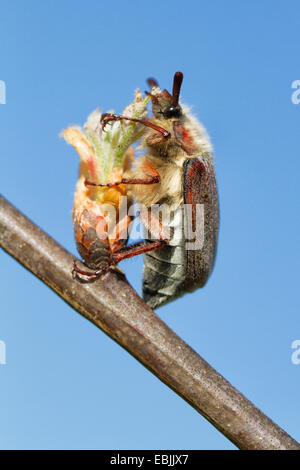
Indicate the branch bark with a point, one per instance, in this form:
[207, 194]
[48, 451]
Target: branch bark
[112, 305]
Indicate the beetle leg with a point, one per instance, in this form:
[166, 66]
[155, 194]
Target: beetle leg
[107, 117]
[152, 180]
[125, 253]
[156, 229]
[137, 249]
[92, 275]
[153, 97]
[151, 177]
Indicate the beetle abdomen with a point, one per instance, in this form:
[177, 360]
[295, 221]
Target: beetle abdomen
[186, 263]
[164, 268]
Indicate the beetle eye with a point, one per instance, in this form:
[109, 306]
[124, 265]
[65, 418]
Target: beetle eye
[172, 112]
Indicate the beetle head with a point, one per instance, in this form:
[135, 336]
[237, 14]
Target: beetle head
[165, 105]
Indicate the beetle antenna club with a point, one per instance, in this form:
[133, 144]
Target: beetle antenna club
[152, 82]
[178, 77]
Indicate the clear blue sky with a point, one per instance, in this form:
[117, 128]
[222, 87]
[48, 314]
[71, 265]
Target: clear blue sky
[65, 383]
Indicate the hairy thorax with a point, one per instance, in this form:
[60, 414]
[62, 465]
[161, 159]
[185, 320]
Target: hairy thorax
[166, 157]
[168, 190]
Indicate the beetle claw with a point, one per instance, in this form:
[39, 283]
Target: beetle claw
[92, 276]
[106, 118]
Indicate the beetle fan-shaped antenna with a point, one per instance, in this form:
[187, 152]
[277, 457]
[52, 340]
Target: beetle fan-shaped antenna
[178, 77]
[152, 82]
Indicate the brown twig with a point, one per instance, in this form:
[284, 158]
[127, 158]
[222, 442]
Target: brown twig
[126, 319]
